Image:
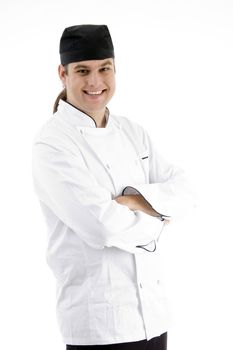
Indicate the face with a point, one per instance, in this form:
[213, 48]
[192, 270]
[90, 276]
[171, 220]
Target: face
[89, 84]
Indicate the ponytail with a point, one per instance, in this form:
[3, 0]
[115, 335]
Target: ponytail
[61, 96]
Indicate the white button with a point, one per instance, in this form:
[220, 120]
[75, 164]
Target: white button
[140, 285]
[108, 166]
[81, 132]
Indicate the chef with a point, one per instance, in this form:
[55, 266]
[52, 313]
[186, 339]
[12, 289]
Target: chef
[106, 194]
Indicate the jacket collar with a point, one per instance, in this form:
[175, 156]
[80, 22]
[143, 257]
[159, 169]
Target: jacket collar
[76, 117]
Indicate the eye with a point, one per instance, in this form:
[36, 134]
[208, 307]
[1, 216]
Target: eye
[82, 71]
[105, 69]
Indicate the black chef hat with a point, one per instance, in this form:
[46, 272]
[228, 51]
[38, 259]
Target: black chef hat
[85, 42]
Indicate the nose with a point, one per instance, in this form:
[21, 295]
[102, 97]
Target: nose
[94, 79]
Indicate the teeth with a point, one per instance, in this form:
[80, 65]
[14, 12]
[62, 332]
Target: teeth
[94, 92]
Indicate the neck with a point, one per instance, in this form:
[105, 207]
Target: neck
[99, 118]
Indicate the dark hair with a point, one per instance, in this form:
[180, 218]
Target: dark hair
[62, 95]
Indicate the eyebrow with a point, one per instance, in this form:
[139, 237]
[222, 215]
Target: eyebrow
[78, 66]
[106, 63]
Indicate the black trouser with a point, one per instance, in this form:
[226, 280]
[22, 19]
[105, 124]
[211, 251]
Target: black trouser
[157, 343]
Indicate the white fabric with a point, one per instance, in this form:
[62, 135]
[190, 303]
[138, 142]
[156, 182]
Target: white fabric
[108, 289]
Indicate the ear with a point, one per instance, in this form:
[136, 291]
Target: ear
[62, 72]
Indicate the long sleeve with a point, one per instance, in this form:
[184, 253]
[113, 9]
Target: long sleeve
[64, 184]
[167, 189]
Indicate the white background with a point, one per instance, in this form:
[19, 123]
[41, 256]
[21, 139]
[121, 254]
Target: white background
[174, 77]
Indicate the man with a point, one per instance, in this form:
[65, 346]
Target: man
[106, 194]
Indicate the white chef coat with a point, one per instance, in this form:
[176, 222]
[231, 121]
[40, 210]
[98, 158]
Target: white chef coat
[108, 286]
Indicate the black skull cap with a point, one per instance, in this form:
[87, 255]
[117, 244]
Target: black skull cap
[85, 42]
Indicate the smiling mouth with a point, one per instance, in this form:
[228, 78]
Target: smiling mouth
[94, 93]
